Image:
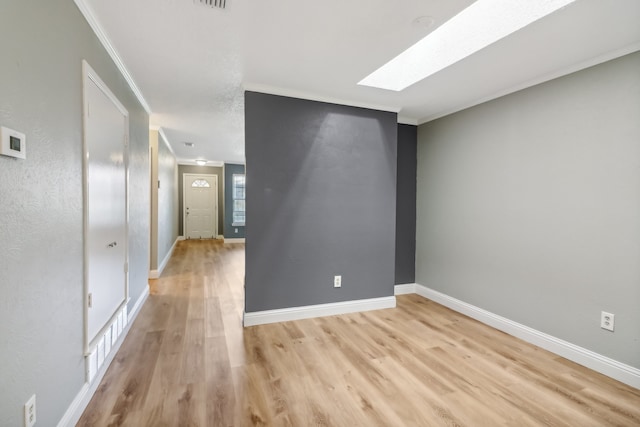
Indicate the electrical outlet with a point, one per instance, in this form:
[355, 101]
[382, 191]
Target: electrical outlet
[607, 321]
[337, 281]
[30, 412]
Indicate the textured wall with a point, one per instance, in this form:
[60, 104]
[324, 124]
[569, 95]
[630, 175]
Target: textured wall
[321, 201]
[229, 229]
[167, 199]
[211, 170]
[406, 205]
[529, 207]
[154, 137]
[41, 250]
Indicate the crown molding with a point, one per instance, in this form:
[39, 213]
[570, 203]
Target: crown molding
[93, 22]
[192, 162]
[407, 120]
[561, 72]
[166, 141]
[292, 93]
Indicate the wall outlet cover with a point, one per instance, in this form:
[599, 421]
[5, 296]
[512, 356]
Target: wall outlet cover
[607, 321]
[30, 412]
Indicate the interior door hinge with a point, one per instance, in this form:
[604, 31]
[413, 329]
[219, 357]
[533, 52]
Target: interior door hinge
[90, 300]
[126, 267]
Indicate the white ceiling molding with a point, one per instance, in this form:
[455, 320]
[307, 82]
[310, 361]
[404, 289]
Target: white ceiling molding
[292, 93]
[407, 120]
[88, 14]
[192, 162]
[166, 141]
[538, 80]
[164, 137]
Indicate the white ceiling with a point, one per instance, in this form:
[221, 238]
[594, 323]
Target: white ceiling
[192, 63]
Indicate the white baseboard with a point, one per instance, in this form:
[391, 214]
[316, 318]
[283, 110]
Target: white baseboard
[77, 407]
[154, 274]
[138, 305]
[407, 288]
[82, 399]
[319, 310]
[599, 363]
[234, 240]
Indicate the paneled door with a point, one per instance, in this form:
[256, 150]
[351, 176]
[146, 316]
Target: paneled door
[200, 206]
[105, 142]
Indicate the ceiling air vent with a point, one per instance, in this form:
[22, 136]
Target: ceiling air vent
[214, 3]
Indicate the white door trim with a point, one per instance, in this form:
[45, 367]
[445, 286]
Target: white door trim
[88, 74]
[213, 177]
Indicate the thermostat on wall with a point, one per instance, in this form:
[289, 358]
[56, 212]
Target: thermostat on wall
[12, 143]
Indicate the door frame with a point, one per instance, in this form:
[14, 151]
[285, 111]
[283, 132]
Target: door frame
[88, 73]
[214, 177]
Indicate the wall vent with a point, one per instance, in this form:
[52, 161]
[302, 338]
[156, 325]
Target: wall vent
[221, 4]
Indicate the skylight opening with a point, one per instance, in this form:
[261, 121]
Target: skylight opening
[476, 27]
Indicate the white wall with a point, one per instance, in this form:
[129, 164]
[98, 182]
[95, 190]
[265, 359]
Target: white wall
[167, 199]
[164, 199]
[528, 206]
[154, 135]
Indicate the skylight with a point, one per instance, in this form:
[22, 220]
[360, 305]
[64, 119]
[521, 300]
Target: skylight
[476, 27]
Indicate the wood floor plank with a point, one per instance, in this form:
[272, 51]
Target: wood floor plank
[132, 397]
[220, 395]
[214, 326]
[192, 366]
[188, 361]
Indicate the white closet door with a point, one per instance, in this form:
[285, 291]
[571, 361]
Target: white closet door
[106, 128]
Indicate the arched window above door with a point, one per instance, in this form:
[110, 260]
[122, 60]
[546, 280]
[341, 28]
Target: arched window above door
[200, 183]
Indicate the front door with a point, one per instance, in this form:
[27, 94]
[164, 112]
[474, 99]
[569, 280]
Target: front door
[200, 206]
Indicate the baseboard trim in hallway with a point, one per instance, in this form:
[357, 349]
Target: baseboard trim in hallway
[234, 240]
[155, 274]
[592, 360]
[318, 310]
[82, 399]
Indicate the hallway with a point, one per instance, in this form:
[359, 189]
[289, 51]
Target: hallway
[187, 361]
[179, 350]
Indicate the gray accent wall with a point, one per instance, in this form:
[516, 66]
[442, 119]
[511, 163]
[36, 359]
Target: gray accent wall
[41, 203]
[321, 201]
[211, 170]
[529, 207]
[229, 229]
[406, 205]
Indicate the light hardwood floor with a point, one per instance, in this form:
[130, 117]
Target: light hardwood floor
[187, 361]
